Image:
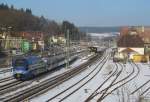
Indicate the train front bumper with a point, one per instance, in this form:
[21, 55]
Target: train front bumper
[21, 75]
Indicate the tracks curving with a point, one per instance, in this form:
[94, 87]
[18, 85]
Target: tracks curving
[105, 81]
[103, 61]
[123, 83]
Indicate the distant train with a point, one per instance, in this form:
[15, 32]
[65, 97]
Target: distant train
[93, 49]
[31, 66]
[96, 49]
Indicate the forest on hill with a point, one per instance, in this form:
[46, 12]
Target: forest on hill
[23, 20]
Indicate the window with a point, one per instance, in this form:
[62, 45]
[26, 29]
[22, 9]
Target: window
[20, 62]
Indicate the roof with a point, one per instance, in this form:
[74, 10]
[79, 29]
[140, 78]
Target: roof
[36, 36]
[127, 50]
[130, 41]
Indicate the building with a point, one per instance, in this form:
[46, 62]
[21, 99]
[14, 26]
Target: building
[58, 40]
[131, 44]
[124, 31]
[32, 36]
[11, 42]
[36, 39]
[144, 32]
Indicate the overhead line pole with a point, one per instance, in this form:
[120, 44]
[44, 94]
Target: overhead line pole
[67, 49]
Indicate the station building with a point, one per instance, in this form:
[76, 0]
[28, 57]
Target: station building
[131, 44]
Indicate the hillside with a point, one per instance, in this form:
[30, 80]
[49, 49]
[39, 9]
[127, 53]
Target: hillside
[23, 20]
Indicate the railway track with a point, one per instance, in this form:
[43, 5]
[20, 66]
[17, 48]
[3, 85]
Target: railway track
[106, 90]
[105, 81]
[50, 82]
[140, 87]
[5, 71]
[20, 85]
[144, 91]
[6, 79]
[115, 83]
[12, 84]
[120, 85]
[12, 87]
[103, 61]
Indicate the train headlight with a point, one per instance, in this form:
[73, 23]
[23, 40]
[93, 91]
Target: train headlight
[18, 75]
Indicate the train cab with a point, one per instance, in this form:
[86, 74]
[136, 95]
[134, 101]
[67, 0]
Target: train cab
[27, 67]
[20, 68]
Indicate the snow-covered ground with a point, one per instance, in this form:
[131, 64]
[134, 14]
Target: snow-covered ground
[5, 74]
[75, 97]
[1, 69]
[121, 95]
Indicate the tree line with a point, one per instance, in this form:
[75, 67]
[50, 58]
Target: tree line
[23, 20]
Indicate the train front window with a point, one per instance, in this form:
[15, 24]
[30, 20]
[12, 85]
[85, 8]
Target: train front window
[20, 62]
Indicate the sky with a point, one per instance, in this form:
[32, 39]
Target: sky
[90, 12]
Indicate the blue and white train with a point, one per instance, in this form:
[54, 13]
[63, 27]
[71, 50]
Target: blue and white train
[31, 66]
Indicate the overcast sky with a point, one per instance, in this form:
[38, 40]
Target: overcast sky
[90, 12]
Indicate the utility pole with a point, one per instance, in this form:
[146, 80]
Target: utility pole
[8, 30]
[67, 49]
